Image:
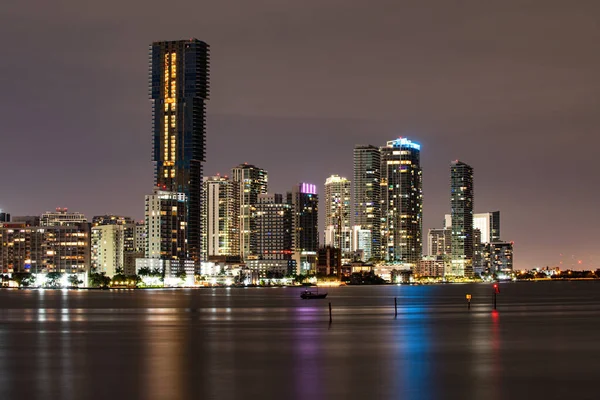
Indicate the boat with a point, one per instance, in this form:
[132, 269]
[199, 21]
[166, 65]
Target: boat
[307, 294]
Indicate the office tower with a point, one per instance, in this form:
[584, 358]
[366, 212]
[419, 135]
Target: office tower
[179, 88]
[305, 225]
[366, 194]
[62, 217]
[439, 242]
[401, 202]
[461, 203]
[274, 227]
[251, 181]
[4, 217]
[337, 214]
[220, 211]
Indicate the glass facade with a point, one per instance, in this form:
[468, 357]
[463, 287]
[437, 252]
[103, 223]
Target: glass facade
[402, 202]
[366, 194]
[179, 88]
[461, 204]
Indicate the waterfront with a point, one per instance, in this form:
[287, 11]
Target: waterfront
[267, 343]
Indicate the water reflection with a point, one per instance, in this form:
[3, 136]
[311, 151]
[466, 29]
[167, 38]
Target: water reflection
[485, 356]
[307, 373]
[270, 344]
[164, 355]
[411, 375]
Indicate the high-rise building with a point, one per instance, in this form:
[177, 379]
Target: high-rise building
[179, 88]
[114, 245]
[501, 256]
[439, 242]
[337, 213]
[22, 248]
[489, 225]
[58, 247]
[4, 217]
[362, 242]
[366, 194]
[220, 209]
[251, 181]
[165, 225]
[274, 227]
[431, 266]
[141, 237]
[166, 232]
[108, 248]
[461, 203]
[305, 225]
[402, 202]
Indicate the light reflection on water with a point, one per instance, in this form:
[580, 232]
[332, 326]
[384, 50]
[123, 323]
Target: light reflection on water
[252, 343]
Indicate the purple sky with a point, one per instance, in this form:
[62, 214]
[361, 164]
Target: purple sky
[508, 87]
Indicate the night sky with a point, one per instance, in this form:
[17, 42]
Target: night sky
[509, 87]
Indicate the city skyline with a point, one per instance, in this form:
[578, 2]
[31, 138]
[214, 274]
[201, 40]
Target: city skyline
[511, 128]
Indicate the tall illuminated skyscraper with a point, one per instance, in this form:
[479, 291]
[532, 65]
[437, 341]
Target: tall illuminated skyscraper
[251, 181]
[461, 203]
[366, 195]
[179, 88]
[402, 202]
[337, 213]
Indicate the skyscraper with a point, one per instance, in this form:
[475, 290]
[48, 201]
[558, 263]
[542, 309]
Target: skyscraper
[305, 223]
[166, 234]
[220, 216]
[366, 194]
[337, 213]
[402, 201]
[179, 87]
[251, 181]
[461, 203]
[274, 227]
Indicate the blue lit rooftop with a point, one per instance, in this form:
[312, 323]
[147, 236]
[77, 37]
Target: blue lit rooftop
[404, 142]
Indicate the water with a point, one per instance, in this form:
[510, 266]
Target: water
[267, 343]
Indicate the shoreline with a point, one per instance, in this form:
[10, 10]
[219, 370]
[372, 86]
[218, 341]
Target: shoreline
[297, 286]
